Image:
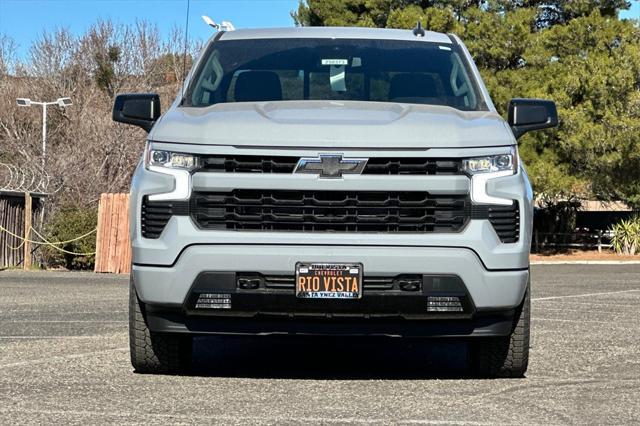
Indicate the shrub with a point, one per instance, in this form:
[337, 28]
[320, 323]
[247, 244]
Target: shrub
[67, 224]
[626, 236]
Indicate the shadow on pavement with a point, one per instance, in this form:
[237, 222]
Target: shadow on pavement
[329, 358]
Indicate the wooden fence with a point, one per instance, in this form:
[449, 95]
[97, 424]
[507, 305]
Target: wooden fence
[113, 245]
[12, 218]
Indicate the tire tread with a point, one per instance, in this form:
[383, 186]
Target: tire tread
[506, 356]
[154, 352]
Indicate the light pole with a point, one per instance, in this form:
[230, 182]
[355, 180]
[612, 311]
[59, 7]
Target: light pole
[61, 102]
[25, 102]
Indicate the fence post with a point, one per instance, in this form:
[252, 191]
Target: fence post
[99, 230]
[26, 264]
[113, 251]
[599, 240]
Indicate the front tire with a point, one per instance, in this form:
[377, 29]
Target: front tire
[151, 352]
[506, 356]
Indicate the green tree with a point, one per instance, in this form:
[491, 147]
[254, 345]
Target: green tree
[105, 63]
[577, 53]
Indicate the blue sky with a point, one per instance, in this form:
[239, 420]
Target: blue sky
[24, 20]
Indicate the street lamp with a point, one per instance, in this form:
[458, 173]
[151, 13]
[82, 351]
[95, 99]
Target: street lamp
[61, 102]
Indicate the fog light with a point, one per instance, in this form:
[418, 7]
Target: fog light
[214, 301]
[249, 283]
[444, 304]
[409, 284]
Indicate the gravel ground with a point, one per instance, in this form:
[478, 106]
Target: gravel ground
[64, 359]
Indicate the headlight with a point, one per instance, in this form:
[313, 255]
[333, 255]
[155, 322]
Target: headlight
[172, 160]
[493, 163]
[176, 164]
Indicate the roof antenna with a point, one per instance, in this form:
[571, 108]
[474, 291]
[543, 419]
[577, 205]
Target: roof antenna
[418, 31]
[224, 26]
[184, 58]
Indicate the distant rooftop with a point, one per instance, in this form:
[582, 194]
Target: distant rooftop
[596, 206]
[336, 32]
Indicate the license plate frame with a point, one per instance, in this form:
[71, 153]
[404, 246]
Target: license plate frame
[328, 282]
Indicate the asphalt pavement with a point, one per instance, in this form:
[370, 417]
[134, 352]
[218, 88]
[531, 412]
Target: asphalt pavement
[64, 358]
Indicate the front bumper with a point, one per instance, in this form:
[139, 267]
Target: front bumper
[221, 303]
[489, 290]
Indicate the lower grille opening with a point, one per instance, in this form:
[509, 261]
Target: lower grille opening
[370, 283]
[253, 294]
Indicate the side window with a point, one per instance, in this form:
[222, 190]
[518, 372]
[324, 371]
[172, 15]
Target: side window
[461, 85]
[416, 87]
[208, 82]
[379, 87]
[292, 82]
[321, 87]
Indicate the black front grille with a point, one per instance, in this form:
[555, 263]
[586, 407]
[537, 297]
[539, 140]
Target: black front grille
[375, 165]
[330, 212]
[249, 164]
[506, 222]
[156, 214]
[337, 211]
[411, 166]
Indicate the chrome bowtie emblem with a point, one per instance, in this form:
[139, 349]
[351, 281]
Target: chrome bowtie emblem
[331, 165]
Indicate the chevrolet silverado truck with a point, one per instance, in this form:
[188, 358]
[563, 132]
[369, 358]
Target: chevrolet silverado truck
[331, 181]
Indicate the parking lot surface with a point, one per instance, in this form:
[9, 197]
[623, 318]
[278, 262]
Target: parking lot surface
[64, 359]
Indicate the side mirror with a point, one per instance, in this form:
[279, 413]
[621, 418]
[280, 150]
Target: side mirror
[531, 114]
[138, 109]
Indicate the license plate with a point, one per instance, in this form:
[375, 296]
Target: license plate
[329, 280]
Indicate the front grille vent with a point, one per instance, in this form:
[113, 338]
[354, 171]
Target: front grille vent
[156, 214]
[506, 222]
[375, 165]
[330, 211]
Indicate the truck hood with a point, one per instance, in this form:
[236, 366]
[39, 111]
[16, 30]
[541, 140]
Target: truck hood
[331, 124]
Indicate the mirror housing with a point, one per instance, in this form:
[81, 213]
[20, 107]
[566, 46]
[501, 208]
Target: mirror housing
[138, 109]
[526, 115]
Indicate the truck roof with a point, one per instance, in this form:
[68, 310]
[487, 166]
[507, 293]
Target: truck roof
[335, 32]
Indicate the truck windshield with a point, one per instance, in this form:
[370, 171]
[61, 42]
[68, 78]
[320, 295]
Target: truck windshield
[260, 70]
